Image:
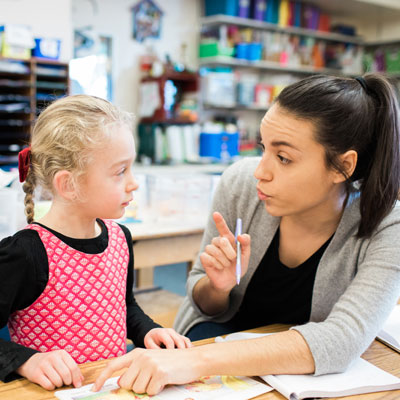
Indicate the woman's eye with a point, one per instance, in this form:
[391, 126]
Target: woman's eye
[284, 160]
[261, 146]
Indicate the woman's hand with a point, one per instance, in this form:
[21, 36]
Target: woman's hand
[150, 370]
[167, 337]
[219, 257]
[52, 369]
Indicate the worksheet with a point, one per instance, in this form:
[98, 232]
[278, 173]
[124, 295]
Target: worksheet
[206, 388]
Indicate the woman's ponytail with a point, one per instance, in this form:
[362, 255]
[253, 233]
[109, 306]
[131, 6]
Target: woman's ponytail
[380, 182]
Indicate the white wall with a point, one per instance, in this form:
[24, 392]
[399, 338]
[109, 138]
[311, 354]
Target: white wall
[48, 18]
[113, 18]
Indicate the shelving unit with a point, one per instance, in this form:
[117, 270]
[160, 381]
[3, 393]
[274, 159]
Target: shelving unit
[185, 82]
[219, 25]
[237, 107]
[26, 87]
[220, 19]
[50, 80]
[172, 87]
[266, 66]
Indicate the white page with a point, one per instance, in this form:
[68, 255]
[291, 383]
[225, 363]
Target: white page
[360, 377]
[207, 388]
[240, 336]
[390, 332]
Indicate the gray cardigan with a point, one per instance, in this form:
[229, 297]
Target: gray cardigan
[356, 285]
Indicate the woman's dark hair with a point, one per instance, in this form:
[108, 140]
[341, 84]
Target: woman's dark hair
[355, 114]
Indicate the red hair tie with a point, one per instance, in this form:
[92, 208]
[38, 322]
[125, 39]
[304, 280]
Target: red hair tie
[24, 161]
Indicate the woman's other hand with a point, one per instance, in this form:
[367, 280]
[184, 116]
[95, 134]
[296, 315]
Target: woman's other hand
[219, 257]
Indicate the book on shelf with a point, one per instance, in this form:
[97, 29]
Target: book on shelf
[361, 377]
[390, 333]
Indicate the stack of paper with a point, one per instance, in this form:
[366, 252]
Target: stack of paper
[390, 333]
[360, 377]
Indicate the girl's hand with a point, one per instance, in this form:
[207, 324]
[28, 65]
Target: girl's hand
[219, 257]
[150, 370]
[166, 336]
[52, 369]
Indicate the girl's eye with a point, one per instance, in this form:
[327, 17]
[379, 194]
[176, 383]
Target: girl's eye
[122, 171]
[284, 160]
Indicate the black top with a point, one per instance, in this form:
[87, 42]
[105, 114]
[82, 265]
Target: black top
[278, 294]
[24, 272]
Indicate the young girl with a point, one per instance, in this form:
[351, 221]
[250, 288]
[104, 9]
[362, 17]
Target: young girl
[321, 209]
[66, 280]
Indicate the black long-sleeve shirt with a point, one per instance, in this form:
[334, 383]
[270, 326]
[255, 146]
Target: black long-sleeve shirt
[24, 272]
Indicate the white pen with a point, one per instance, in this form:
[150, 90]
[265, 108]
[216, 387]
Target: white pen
[238, 232]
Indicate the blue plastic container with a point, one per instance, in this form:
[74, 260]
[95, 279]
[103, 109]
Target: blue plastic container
[254, 51]
[227, 7]
[219, 146]
[242, 51]
[47, 48]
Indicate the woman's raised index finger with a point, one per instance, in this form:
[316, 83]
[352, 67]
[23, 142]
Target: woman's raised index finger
[221, 225]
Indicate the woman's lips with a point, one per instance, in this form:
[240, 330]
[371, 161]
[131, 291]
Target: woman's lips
[262, 196]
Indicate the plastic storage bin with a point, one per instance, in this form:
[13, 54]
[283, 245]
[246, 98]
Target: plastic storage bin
[228, 7]
[47, 48]
[219, 146]
[212, 49]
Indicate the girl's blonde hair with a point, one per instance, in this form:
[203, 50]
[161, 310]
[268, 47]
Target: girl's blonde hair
[64, 137]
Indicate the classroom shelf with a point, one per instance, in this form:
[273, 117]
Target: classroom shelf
[266, 66]
[236, 107]
[217, 20]
[26, 87]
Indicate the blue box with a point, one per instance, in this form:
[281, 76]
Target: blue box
[242, 51]
[219, 146]
[254, 51]
[47, 48]
[227, 7]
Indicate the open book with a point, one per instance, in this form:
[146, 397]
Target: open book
[390, 333]
[360, 377]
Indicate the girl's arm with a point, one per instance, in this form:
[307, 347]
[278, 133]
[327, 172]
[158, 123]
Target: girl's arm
[20, 285]
[24, 275]
[138, 322]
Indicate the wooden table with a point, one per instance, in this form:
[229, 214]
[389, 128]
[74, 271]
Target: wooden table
[378, 354]
[161, 243]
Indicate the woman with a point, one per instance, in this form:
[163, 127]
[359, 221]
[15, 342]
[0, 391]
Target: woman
[324, 231]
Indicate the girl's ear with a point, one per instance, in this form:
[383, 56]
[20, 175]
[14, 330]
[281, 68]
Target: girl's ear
[64, 185]
[349, 163]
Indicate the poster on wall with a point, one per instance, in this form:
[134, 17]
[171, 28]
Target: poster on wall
[147, 18]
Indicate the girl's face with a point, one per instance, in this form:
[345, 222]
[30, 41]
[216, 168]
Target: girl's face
[108, 184]
[292, 175]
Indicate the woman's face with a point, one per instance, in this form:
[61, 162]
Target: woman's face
[292, 175]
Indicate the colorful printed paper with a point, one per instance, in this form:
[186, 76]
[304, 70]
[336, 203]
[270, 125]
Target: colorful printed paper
[206, 388]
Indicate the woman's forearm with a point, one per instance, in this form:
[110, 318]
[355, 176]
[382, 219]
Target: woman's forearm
[210, 300]
[281, 353]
